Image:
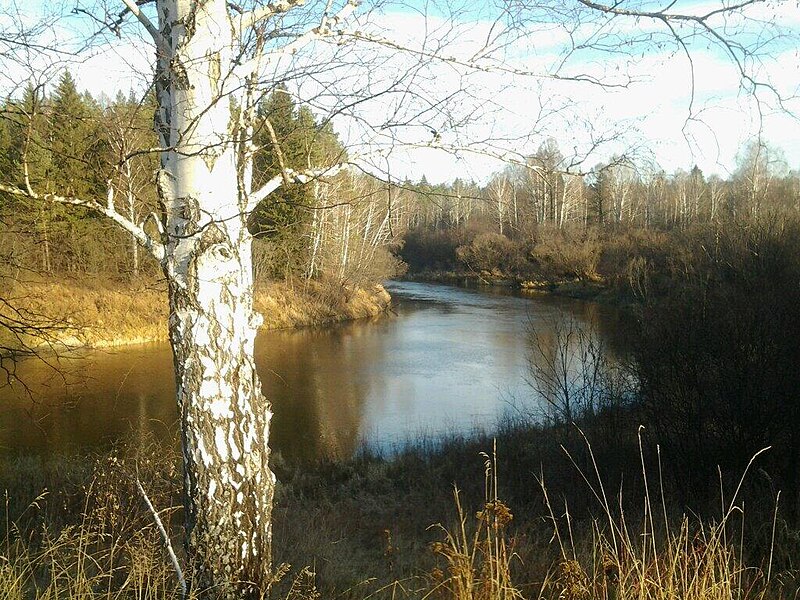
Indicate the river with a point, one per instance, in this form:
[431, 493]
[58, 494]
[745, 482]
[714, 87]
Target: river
[448, 359]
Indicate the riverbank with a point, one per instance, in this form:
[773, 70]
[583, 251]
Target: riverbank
[530, 519]
[527, 504]
[99, 314]
[591, 289]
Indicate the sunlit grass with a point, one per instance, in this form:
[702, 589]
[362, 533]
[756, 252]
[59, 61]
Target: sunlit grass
[304, 302]
[100, 314]
[617, 557]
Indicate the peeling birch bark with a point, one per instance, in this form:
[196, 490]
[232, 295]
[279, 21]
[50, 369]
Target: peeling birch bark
[208, 264]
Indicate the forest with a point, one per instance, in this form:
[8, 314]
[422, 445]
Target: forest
[74, 143]
[327, 235]
[538, 223]
[534, 223]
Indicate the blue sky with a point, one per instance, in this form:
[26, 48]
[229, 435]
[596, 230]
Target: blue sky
[505, 110]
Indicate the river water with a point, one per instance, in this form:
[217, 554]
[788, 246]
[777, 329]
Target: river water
[448, 359]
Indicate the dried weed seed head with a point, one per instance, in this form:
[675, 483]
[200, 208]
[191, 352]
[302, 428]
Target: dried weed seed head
[610, 568]
[496, 513]
[572, 581]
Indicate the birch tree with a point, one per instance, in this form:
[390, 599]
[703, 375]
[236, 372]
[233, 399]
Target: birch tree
[499, 193]
[131, 173]
[207, 56]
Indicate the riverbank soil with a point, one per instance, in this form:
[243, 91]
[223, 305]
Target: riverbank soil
[94, 313]
[595, 289]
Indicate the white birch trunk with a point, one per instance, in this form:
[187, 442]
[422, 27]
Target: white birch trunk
[345, 242]
[131, 202]
[315, 240]
[514, 199]
[224, 417]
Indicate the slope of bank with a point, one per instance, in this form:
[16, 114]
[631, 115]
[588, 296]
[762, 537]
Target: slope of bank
[391, 528]
[101, 314]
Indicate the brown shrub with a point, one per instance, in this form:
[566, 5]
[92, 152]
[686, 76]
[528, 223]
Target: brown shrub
[566, 253]
[491, 252]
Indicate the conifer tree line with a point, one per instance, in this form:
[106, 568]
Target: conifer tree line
[68, 142]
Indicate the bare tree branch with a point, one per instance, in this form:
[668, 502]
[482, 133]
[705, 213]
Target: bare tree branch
[735, 50]
[324, 29]
[247, 19]
[159, 40]
[156, 248]
[290, 176]
[476, 65]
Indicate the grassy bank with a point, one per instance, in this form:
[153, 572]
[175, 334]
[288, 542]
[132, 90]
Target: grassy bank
[539, 513]
[318, 303]
[101, 313]
[566, 519]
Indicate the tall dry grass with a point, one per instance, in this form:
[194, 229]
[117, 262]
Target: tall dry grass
[84, 561]
[653, 556]
[108, 547]
[478, 556]
[618, 557]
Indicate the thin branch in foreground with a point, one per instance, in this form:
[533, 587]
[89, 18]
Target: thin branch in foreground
[167, 543]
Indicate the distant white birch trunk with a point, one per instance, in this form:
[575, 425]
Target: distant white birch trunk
[499, 189]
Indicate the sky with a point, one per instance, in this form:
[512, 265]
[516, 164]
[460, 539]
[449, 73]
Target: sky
[444, 119]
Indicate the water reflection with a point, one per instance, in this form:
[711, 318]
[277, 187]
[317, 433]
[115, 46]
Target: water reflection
[90, 400]
[311, 378]
[451, 359]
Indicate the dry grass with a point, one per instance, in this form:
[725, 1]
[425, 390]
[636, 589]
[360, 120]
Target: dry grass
[95, 313]
[306, 303]
[373, 537]
[479, 562]
[653, 557]
[94, 536]
[617, 558]
[101, 314]
[91, 538]
[113, 551]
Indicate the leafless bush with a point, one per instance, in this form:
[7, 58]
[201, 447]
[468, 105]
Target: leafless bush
[572, 370]
[559, 253]
[634, 260]
[491, 252]
[381, 265]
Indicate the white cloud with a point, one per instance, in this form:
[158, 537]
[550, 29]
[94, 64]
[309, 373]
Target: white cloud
[657, 111]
